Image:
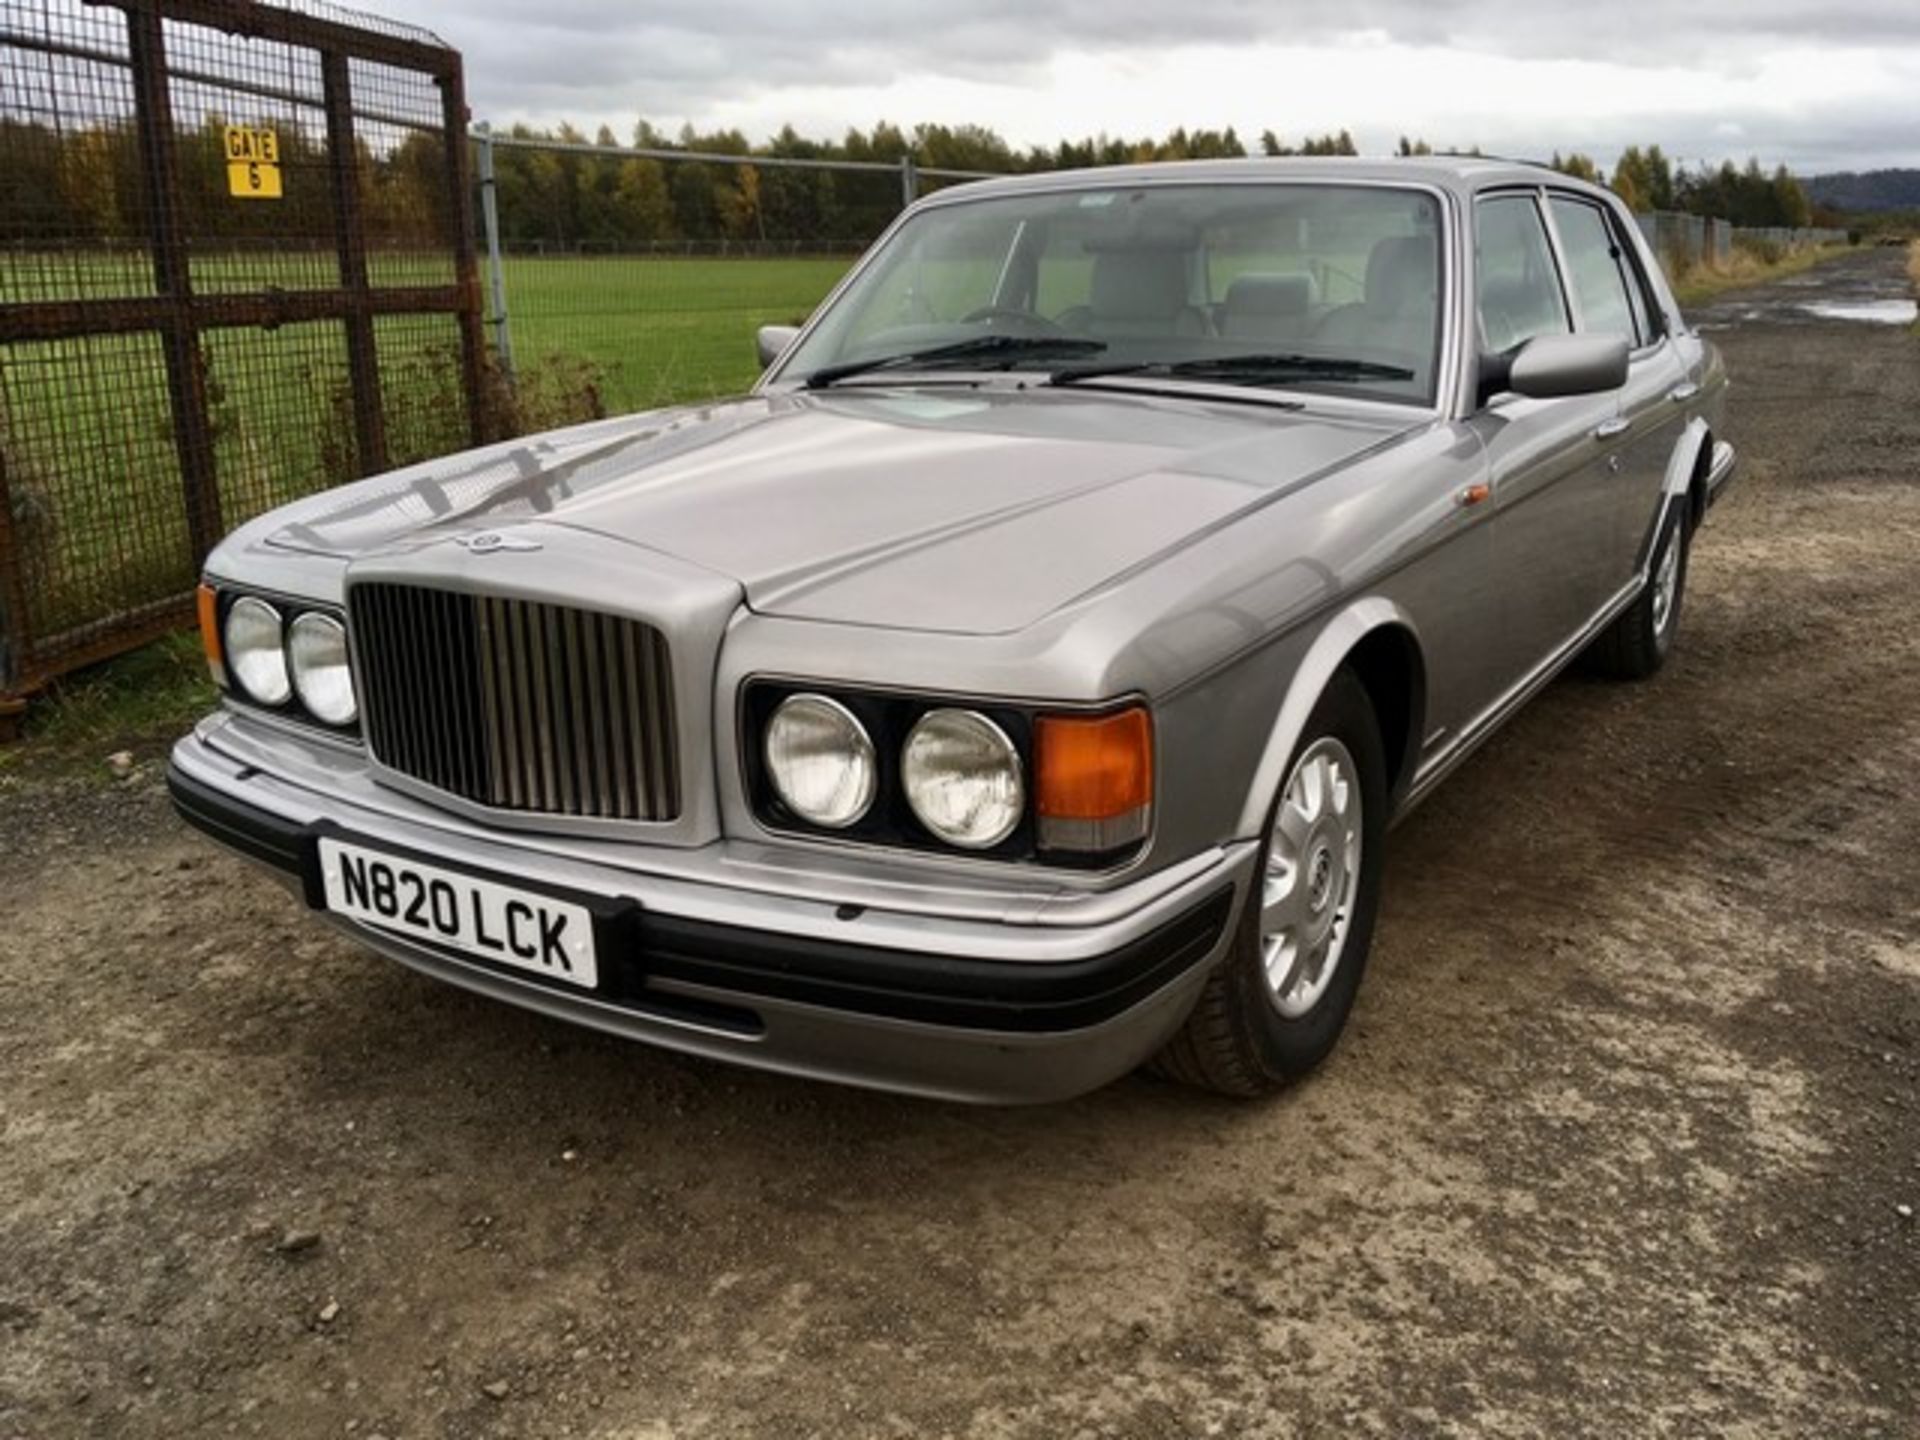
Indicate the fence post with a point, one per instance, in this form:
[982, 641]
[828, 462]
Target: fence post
[496, 272]
[186, 382]
[454, 120]
[350, 244]
[909, 181]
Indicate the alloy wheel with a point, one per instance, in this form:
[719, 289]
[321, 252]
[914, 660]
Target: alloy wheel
[1312, 877]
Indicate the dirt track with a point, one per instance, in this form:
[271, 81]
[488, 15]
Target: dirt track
[1615, 1146]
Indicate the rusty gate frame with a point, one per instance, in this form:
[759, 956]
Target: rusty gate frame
[179, 316]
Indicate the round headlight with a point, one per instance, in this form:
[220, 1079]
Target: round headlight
[821, 761]
[317, 651]
[256, 653]
[962, 778]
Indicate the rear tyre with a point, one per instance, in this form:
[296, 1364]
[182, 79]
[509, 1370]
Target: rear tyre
[1635, 645]
[1277, 1002]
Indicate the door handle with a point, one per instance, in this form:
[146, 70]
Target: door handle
[1607, 429]
[1686, 390]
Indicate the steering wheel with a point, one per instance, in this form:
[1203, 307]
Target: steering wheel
[1007, 312]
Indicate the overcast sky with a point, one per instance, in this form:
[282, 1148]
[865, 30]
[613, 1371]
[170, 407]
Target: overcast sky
[1821, 86]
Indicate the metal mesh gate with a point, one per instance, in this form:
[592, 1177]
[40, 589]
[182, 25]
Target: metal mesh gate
[236, 266]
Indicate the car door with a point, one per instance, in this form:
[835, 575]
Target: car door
[1611, 297]
[1547, 459]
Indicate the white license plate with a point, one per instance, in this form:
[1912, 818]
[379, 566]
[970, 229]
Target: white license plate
[510, 926]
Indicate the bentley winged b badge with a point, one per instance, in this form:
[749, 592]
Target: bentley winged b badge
[492, 542]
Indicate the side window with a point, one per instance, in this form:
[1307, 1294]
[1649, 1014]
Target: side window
[1516, 286]
[1593, 270]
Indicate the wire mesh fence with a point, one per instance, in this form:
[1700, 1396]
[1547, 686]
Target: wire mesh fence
[603, 332]
[235, 266]
[1691, 242]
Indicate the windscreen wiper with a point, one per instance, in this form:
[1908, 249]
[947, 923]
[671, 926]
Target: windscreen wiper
[1257, 368]
[1006, 348]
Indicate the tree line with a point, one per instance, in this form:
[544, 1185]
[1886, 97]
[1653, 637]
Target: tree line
[569, 200]
[83, 185]
[1647, 180]
[565, 199]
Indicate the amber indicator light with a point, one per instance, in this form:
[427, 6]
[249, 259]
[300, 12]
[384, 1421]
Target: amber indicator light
[207, 601]
[1093, 767]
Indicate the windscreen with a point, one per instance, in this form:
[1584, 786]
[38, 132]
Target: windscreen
[1334, 288]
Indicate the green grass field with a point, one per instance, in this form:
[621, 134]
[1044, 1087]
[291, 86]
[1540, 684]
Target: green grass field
[658, 330]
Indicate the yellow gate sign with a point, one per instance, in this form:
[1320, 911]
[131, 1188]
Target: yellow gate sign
[253, 163]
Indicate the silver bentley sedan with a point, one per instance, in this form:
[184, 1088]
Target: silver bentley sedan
[1016, 687]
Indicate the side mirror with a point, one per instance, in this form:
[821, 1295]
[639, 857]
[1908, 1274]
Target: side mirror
[1548, 367]
[773, 339]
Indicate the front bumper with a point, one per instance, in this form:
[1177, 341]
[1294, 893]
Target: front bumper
[962, 1008]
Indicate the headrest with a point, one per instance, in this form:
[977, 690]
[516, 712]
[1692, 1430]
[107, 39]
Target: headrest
[1273, 295]
[1401, 270]
[1138, 284]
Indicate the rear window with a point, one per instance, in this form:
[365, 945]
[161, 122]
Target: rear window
[1596, 270]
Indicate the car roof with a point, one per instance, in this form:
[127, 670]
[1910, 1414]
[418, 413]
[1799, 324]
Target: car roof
[1463, 174]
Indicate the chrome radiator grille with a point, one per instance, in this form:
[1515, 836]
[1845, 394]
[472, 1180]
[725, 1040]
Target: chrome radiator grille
[515, 704]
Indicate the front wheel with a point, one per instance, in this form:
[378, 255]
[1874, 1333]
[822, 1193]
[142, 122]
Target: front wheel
[1277, 1002]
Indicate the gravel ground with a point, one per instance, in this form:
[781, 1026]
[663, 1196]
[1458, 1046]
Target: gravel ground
[1622, 1139]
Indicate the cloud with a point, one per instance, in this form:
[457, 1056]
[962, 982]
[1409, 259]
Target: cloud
[1816, 85]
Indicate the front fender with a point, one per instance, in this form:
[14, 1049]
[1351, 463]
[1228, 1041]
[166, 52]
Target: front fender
[1336, 641]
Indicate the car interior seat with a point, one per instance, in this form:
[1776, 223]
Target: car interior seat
[1140, 293]
[1398, 310]
[1267, 307]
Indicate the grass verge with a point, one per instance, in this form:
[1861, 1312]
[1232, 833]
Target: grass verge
[1747, 268]
[142, 702]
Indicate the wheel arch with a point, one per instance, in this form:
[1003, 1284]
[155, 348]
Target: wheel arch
[1380, 643]
[1697, 497]
[1687, 468]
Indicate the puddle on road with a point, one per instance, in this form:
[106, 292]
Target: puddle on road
[1871, 312]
